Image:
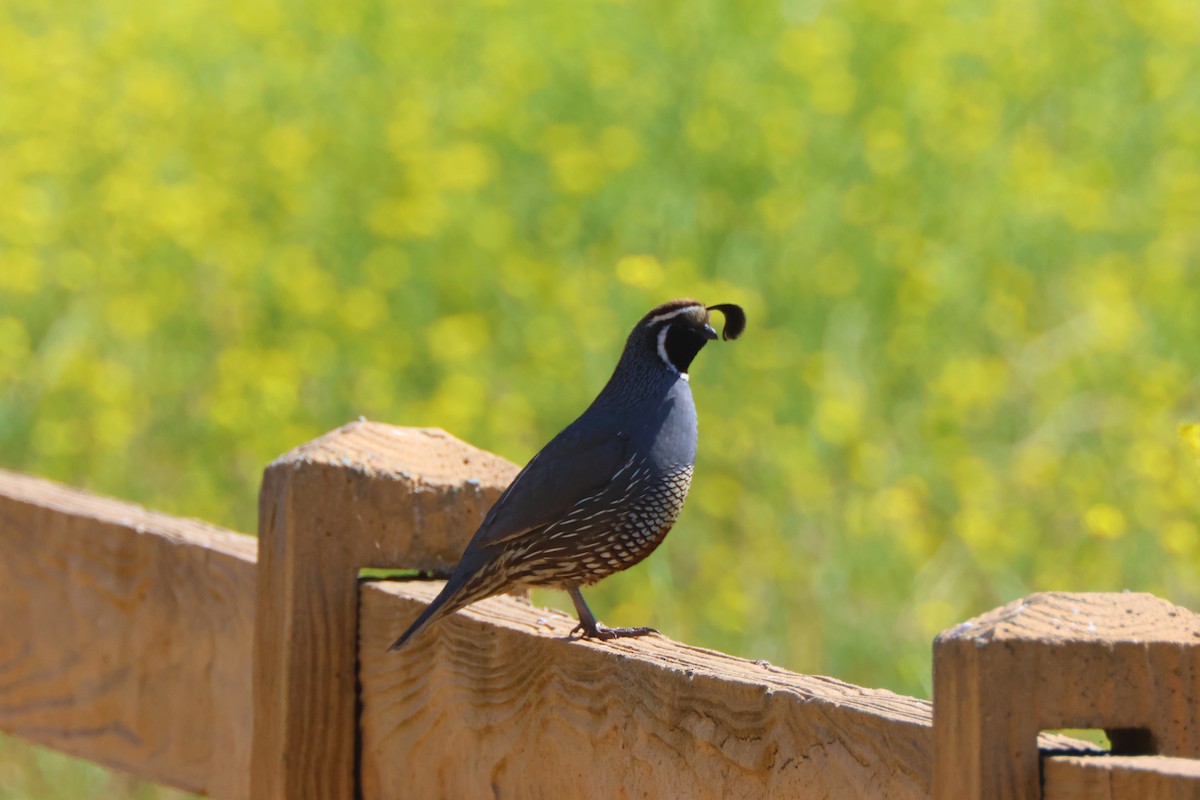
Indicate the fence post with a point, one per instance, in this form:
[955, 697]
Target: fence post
[364, 495]
[1128, 663]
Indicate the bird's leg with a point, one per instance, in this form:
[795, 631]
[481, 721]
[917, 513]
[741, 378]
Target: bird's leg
[591, 629]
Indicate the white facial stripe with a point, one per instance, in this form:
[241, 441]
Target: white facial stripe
[671, 314]
[662, 348]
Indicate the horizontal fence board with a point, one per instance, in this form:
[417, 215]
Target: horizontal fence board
[125, 635]
[1120, 778]
[496, 699]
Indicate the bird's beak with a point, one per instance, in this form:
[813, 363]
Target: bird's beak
[709, 332]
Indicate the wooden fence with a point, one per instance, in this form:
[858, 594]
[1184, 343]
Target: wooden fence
[239, 668]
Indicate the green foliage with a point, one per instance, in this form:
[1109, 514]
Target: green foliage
[964, 232]
[35, 773]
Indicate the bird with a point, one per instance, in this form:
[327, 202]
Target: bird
[604, 492]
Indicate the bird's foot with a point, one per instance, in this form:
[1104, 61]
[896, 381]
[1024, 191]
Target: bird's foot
[602, 632]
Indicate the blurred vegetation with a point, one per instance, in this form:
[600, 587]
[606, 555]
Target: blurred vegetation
[965, 234]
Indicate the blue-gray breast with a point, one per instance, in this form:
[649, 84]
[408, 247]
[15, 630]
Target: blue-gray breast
[603, 494]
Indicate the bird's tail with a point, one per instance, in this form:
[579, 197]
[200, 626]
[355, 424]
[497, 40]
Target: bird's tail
[458, 592]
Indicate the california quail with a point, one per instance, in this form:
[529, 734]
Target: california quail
[603, 493]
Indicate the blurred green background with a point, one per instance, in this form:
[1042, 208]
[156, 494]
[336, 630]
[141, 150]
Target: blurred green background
[966, 235]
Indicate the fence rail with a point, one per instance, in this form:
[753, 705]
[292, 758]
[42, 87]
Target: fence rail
[235, 667]
[126, 635]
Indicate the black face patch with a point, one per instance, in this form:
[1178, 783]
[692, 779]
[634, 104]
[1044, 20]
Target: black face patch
[682, 344]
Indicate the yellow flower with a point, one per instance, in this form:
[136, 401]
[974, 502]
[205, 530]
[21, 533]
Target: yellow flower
[1190, 433]
[1104, 521]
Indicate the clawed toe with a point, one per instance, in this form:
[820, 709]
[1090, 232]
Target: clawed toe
[604, 633]
[624, 633]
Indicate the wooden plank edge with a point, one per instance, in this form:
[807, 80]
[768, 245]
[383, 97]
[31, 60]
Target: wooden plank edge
[687, 661]
[1105, 777]
[57, 497]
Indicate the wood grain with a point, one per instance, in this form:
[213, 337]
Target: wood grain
[496, 701]
[1121, 778]
[125, 635]
[1119, 662]
[365, 495]
[126, 638]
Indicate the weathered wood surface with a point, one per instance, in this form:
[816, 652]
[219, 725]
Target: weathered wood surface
[125, 635]
[1121, 778]
[1122, 662]
[495, 701]
[364, 495]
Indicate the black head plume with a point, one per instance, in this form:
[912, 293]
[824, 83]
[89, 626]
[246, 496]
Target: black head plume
[677, 330]
[735, 320]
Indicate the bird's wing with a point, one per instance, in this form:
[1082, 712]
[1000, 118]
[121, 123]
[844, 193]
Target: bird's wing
[576, 464]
